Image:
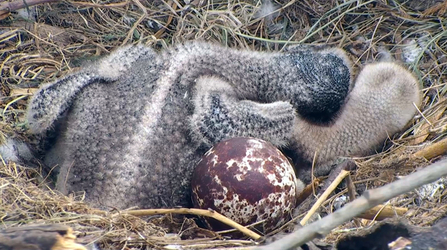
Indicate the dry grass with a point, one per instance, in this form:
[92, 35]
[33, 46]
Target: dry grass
[68, 33]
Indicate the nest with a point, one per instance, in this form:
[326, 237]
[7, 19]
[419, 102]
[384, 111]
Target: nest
[43, 42]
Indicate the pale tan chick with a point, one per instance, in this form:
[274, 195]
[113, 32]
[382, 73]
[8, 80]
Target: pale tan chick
[382, 102]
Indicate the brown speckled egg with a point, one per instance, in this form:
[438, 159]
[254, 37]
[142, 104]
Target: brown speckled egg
[246, 180]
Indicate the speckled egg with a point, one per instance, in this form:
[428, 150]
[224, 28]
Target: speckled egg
[247, 180]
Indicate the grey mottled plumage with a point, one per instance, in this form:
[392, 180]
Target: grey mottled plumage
[129, 129]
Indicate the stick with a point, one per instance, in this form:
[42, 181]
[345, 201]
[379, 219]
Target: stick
[324, 196]
[96, 5]
[382, 212]
[7, 7]
[351, 194]
[307, 191]
[195, 211]
[368, 200]
[434, 150]
[351, 188]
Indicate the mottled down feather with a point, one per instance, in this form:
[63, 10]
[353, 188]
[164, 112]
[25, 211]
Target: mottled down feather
[129, 129]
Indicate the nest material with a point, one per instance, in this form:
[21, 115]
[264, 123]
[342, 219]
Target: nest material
[50, 40]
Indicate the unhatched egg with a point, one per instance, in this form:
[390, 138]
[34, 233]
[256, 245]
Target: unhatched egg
[246, 180]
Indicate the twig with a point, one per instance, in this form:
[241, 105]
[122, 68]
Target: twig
[135, 25]
[307, 191]
[324, 196]
[195, 211]
[7, 7]
[96, 5]
[351, 187]
[368, 200]
[382, 212]
[434, 150]
[352, 194]
[159, 33]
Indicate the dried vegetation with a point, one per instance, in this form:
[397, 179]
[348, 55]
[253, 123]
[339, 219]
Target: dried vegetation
[38, 44]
